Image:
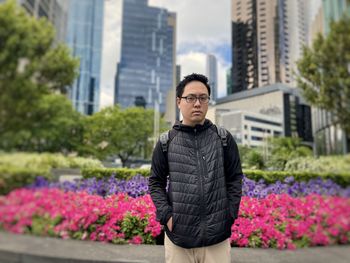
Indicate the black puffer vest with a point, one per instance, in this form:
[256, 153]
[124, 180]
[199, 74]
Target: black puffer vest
[197, 187]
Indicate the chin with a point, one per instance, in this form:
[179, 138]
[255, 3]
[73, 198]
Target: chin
[198, 119]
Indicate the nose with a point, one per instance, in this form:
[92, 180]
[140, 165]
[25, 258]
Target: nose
[197, 103]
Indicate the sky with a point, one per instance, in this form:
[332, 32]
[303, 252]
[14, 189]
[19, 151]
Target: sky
[203, 27]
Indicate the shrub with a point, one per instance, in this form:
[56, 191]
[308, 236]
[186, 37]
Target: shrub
[270, 177]
[323, 164]
[12, 177]
[20, 169]
[46, 161]
[119, 173]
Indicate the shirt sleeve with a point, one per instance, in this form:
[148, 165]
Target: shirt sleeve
[234, 175]
[158, 182]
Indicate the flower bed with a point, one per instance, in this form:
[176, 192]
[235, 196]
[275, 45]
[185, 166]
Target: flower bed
[283, 221]
[52, 212]
[138, 186]
[294, 188]
[280, 221]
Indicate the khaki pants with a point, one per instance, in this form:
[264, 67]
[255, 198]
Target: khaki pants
[216, 253]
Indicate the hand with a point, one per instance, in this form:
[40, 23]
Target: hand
[170, 224]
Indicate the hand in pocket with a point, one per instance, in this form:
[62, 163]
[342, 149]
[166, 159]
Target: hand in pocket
[170, 224]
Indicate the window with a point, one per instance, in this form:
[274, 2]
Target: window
[257, 129]
[249, 118]
[276, 133]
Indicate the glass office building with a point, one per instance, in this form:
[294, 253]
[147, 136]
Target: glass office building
[267, 39]
[54, 10]
[146, 71]
[84, 37]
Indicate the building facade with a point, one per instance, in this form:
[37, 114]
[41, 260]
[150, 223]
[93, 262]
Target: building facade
[248, 128]
[54, 10]
[84, 37]
[333, 10]
[280, 102]
[147, 65]
[212, 74]
[267, 39]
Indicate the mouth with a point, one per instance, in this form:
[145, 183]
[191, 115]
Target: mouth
[197, 112]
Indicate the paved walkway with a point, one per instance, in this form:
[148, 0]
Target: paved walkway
[30, 249]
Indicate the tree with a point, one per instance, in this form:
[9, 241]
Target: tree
[251, 158]
[283, 149]
[114, 131]
[255, 160]
[32, 69]
[324, 72]
[58, 125]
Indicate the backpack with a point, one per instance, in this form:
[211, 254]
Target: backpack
[167, 136]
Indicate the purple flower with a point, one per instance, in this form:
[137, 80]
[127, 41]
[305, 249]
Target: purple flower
[138, 186]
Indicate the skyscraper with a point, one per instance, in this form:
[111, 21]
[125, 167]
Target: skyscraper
[333, 10]
[84, 37]
[147, 65]
[212, 74]
[54, 10]
[267, 39]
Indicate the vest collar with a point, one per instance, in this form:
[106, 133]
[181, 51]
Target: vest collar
[198, 127]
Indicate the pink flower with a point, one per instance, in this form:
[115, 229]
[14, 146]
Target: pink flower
[279, 221]
[137, 240]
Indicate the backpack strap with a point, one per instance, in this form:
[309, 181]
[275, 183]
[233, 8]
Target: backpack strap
[223, 135]
[164, 138]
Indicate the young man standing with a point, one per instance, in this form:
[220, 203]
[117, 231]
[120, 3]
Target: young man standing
[204, 173]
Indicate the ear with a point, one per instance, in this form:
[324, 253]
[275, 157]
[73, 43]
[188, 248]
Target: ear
[178, 100]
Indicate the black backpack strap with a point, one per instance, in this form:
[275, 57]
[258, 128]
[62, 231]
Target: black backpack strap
[164, 138]
[223, 135]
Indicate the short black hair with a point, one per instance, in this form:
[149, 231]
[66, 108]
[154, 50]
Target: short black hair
[189, 78]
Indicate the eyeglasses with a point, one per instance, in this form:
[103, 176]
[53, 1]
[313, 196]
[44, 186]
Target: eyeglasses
[204, 99]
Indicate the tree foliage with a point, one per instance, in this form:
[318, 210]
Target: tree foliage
[251, 158]
[283, 149]
[116, 131]
[56, 127]
[33, 71]
[324, 72]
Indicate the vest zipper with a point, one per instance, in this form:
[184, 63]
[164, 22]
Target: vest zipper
[201, 175]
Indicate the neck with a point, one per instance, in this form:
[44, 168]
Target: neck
[192, 124]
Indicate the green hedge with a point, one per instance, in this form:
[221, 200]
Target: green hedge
[342, 179]
[20, 169]
[269, 176]
[120, 173]
[13, 177]
[322, 164]
[46, 161]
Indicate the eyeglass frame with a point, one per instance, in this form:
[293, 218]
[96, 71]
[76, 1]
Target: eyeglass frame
[196, 98]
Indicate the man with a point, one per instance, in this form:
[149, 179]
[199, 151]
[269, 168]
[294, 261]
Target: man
[205, 181]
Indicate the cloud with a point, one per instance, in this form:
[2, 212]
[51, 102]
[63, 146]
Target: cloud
[110, 50]
[200, 21]
[195, 62]
[106, 97]
[203, 27]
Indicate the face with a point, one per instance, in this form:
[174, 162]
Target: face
[193, 113]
